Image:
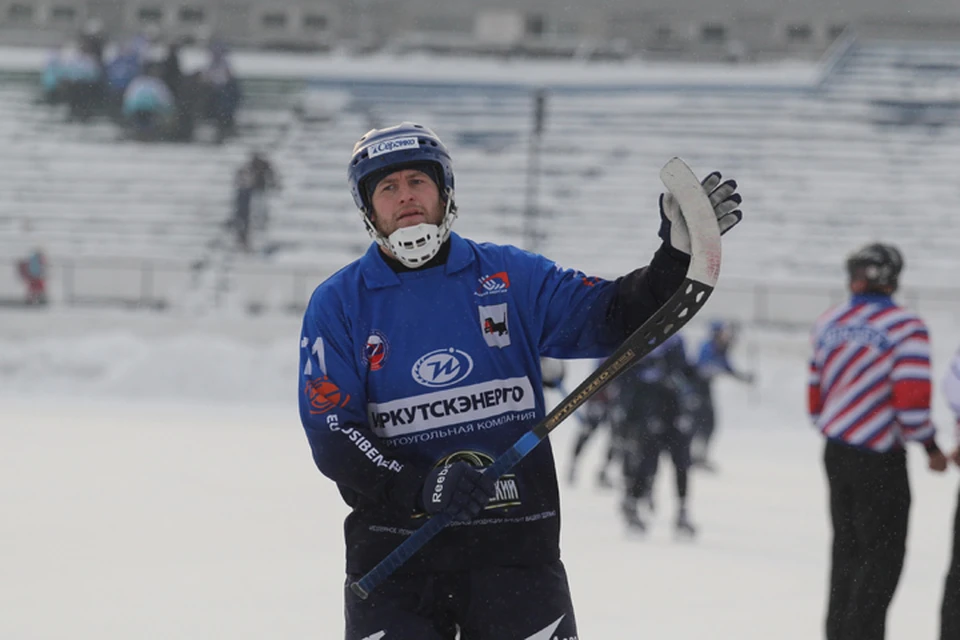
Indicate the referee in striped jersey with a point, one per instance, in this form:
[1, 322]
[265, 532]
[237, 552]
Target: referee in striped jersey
[869, 394]
[950, 610]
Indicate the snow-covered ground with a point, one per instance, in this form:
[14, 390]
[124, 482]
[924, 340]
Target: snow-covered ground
[155, 483]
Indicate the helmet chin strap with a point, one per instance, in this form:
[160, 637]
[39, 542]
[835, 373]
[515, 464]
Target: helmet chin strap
[414, 246]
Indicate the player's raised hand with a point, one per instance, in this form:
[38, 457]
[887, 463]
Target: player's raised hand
[726, 205]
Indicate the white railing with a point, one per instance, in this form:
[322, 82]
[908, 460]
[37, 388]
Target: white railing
[166, 285]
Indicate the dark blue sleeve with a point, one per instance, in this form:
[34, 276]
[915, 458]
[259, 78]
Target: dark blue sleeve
[569, 309]
[333, 410]
[584, 317]
[642, 292]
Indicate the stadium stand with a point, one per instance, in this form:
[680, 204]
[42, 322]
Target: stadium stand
[824, 165]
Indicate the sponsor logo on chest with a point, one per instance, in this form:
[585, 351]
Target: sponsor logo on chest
[442, 368]
[450, 407]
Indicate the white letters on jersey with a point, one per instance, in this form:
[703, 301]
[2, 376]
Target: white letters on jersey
[317, 350]
[460, 405]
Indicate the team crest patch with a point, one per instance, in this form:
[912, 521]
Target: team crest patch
[375, 351]
[494, 324]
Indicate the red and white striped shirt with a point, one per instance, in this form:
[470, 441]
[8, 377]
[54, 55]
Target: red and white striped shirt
[870, 375]
[951, 390]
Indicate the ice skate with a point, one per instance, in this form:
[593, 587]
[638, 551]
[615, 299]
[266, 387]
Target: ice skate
[705, 465]
[684, 528]
[603, 480]
[631, 515]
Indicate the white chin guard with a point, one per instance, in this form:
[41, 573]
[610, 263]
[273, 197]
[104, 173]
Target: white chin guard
[414, 246]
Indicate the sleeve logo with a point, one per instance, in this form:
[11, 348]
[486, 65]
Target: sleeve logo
[323, 395]
[375, 351]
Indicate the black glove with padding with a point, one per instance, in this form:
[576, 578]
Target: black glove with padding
[459, 490]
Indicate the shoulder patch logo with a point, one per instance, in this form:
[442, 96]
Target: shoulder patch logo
[494, 324]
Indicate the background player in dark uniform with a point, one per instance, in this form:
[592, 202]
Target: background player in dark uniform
[654, 397]
[594, 414]
[713, 360]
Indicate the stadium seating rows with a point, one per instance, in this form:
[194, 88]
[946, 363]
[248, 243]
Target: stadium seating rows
[822, 168]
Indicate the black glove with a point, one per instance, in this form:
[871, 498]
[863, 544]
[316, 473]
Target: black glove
[458, 490]
[726, 205]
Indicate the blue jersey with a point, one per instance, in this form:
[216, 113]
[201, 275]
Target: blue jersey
[403, 371]
[713, 360]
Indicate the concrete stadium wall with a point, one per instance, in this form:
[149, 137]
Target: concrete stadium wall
[739, 29]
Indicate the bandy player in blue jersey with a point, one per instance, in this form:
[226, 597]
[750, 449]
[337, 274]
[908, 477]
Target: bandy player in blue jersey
[420, 365]
[869, 394]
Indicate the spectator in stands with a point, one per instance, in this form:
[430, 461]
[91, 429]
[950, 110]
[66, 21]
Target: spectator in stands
[243, 192]
[253, 180]
[120, 71]
[52, 85]
[172, 72]
[33, 272]
[264, 180]
[93, 40]
[82, 76]
[221, 92]
[182, 91]
[148, 107]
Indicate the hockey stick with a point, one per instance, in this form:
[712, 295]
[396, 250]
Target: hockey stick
[697, 286]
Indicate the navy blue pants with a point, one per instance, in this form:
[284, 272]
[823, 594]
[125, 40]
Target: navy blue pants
[492, 603]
